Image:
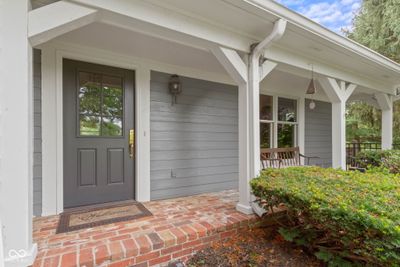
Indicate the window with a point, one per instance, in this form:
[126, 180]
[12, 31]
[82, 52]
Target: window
[100, 101]
[278, 122]
[266, 121]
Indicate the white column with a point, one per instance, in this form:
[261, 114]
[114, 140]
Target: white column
[385, 103]
[339, 135]
[254, 112]
[387, 129]
[338, 93]
[49, 136]
[301, 118]
[142, 134]
[237, 69]
[16, 133]
[244, 157]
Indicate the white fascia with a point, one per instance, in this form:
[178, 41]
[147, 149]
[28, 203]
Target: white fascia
[305, 23]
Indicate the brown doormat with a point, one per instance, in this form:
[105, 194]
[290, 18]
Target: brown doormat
[91, 216]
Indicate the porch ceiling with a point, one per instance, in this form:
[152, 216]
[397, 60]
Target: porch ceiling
[239, 23]
[285, 80]
[323, 47]
[126, 42]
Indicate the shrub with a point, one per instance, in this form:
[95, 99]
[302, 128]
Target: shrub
[343, 217]
[388, 159]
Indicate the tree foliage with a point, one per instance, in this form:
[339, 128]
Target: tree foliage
[377, 26]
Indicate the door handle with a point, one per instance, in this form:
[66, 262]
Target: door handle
[131, 143]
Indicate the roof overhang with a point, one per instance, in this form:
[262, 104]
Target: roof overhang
[236, 24]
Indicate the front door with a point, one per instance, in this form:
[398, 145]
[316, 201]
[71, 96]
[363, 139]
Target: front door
[98, 133]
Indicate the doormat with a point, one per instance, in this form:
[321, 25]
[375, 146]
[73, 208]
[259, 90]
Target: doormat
[87, 217]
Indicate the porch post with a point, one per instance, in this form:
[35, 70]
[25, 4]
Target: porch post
[16, 134]
[386, 104]
[254, 121]
[338, 93]
[237, 69]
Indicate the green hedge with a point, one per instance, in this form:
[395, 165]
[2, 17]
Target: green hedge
[386, 159]
[344, 217]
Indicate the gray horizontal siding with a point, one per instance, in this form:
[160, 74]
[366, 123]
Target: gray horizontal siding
[37, 134]
[318, 132]
[194, 143]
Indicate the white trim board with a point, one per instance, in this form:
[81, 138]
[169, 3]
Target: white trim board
[52, 113]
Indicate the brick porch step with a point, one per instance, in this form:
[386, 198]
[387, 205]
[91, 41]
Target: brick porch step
[177, 229]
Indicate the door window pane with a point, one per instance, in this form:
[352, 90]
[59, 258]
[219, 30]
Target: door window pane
[266, 135]
[287, 135]
[100, 101]
[266, 107]
[111, 126]
[89, 125]
[287, 109]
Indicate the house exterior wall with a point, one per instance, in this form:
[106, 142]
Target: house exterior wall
[194, 143]
[318, 132]
[37, 134]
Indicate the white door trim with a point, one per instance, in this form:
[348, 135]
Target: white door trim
[52, 113]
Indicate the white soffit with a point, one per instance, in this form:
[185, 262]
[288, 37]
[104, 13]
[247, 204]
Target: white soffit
[304, 37]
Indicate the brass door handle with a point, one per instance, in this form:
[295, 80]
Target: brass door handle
[131, 143]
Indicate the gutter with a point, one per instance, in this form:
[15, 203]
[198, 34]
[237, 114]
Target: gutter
[254, 83]
[309, 25]
[275, 35]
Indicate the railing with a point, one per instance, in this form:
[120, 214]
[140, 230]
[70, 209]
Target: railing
[352, 149]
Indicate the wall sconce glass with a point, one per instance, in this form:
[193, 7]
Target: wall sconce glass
[175, 87]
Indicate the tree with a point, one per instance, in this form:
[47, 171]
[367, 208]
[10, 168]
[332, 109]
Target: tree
[377, 26]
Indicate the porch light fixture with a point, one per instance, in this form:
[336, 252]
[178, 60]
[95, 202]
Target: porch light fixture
[175, 87]
[311, 90]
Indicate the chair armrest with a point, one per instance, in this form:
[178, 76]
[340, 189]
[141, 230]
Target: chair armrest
[308, 158]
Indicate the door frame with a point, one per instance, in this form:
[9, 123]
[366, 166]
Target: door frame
[52, 125]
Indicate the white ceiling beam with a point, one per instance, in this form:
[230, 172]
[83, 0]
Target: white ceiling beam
[232, 63]
[266, 69]
[53, 20]
[336, 91]
[291, 61]
[169, 23]
[384, 101]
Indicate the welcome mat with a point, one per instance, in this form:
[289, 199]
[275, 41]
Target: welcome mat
[91, 216]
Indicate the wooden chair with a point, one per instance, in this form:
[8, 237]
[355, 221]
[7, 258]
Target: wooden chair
[283, 157]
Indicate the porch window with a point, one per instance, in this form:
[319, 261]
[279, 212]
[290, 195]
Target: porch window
[266, 121]
[278, 121]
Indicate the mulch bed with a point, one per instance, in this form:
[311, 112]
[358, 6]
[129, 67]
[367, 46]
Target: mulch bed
[256, 247]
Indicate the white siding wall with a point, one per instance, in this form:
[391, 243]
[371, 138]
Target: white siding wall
[194, 143]
[318, 132]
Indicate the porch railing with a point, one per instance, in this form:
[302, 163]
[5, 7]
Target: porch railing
[352, 149]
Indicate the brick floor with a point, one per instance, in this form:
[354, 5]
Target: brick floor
[178, 228]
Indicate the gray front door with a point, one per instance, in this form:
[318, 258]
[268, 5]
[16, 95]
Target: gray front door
[98, 127]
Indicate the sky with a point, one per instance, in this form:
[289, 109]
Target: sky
[333, 14]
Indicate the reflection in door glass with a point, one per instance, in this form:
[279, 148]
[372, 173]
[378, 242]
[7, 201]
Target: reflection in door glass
[100, 101]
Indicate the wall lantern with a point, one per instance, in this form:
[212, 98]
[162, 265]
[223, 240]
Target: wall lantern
[175, 87]
[311, 89]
